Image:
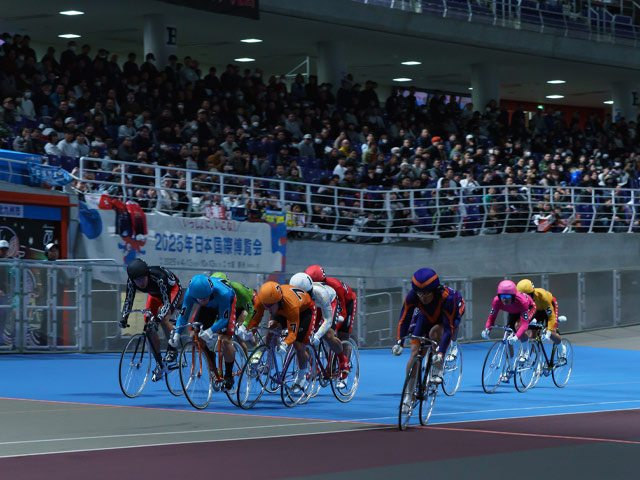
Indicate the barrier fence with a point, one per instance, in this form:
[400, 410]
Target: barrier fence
[75, 306]
[367, 215]
[583, 19]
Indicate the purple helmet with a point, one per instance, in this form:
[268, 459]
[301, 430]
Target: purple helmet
[507, 287]
[425, 279]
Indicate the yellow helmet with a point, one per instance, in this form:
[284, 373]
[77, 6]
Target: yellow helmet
[270, 293]
[525, 286]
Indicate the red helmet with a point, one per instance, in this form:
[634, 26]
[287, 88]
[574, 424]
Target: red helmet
[316, 272]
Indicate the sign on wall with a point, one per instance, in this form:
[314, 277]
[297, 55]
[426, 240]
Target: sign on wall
[111, 229]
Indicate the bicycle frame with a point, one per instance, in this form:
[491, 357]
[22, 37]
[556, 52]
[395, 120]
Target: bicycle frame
[279, 375]
[151, 326]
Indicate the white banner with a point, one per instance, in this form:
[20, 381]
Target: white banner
[124, 232]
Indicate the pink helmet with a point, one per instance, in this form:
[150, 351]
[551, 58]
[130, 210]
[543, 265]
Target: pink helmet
[507, 287]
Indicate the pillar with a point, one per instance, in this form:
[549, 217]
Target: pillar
[159, 39]
[485, 84]
[625, 101]
[332, 66]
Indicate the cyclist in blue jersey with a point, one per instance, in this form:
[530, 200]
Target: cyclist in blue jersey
[217, 313]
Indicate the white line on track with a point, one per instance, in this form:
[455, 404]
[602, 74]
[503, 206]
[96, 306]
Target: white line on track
[179, 432]
[190, 442]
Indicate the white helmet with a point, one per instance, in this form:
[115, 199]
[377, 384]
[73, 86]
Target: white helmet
[302, 280]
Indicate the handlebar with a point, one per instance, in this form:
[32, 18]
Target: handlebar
[423, 340]
[501, 327]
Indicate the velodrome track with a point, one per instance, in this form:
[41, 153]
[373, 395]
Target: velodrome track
[63, 416]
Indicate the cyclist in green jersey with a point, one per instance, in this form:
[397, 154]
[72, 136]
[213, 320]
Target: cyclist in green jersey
[245, 297]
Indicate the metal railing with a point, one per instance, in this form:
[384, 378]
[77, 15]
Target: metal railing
[61, 307]
[579, 19]
[367, 215]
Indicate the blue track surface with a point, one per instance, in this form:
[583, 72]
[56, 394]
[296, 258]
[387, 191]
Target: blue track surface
[602, 380]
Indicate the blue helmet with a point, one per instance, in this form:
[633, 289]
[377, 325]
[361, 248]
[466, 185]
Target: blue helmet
[201, 286]
[425, 280]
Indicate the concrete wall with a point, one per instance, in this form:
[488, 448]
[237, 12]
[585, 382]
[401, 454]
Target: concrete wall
[482, 256]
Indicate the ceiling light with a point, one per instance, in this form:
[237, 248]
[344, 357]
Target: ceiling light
[556, 81]
[69, 35]
[555, 96]
[251, 40]
[411, 62]
[244, 59]
[470, 88]
[608, 102]
[72, 12]
[402, 79]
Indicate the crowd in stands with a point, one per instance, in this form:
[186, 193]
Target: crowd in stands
[80, 102]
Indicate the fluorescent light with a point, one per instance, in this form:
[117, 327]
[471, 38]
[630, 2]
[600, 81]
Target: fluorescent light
[555, 96]
[71, 12]
[608, 102]
[251, 40]
[470, 88]
[556, 81]
[244, 59]
[402, 79]
[411, 62]
[69, 35]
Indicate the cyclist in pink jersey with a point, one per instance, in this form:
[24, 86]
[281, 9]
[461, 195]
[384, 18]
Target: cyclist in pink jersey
[521, 309]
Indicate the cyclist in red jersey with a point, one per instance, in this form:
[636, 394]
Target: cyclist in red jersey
[347, 304]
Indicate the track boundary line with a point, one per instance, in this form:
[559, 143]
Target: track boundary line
[264, 437]
[538, 435]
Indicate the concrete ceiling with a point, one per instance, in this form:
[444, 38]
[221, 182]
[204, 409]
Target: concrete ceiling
[214, 39]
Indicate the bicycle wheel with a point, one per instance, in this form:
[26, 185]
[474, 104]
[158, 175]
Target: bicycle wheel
[409, 397]
[540, 365]
[238, 364]
[320, 358]
[452, 375]
[254, 377]
[289, 374]
[525, 372]
[562, 367]
[428, 397]
[195, 375]
[172, 376]
[344, 389]
[495, 364]
[135, 364]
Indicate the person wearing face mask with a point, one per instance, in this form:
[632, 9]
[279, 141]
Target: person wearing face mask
[25, 107]
[305, 147]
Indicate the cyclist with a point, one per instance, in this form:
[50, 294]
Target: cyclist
[325, 298]
[245, 297]
[163, 290]
[217, 313]
[347, 300]
[546, 312]
[430, 309]
[521, 309]
[291, 308]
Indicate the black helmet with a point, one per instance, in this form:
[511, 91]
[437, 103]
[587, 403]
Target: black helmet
[137, 269]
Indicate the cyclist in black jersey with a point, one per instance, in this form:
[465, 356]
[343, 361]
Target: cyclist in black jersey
[164, 294]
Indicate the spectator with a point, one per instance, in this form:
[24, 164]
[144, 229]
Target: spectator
[305, 147]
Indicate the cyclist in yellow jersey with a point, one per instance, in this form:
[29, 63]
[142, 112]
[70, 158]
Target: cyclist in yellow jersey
[546, 312]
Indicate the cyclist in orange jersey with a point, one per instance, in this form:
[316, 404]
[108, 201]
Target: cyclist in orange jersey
[291, 308]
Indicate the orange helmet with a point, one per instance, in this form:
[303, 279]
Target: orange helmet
[316, 272]
[270, 293]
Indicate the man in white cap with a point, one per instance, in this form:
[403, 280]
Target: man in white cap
[305, 147]
[4, 249]
[52, 251]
